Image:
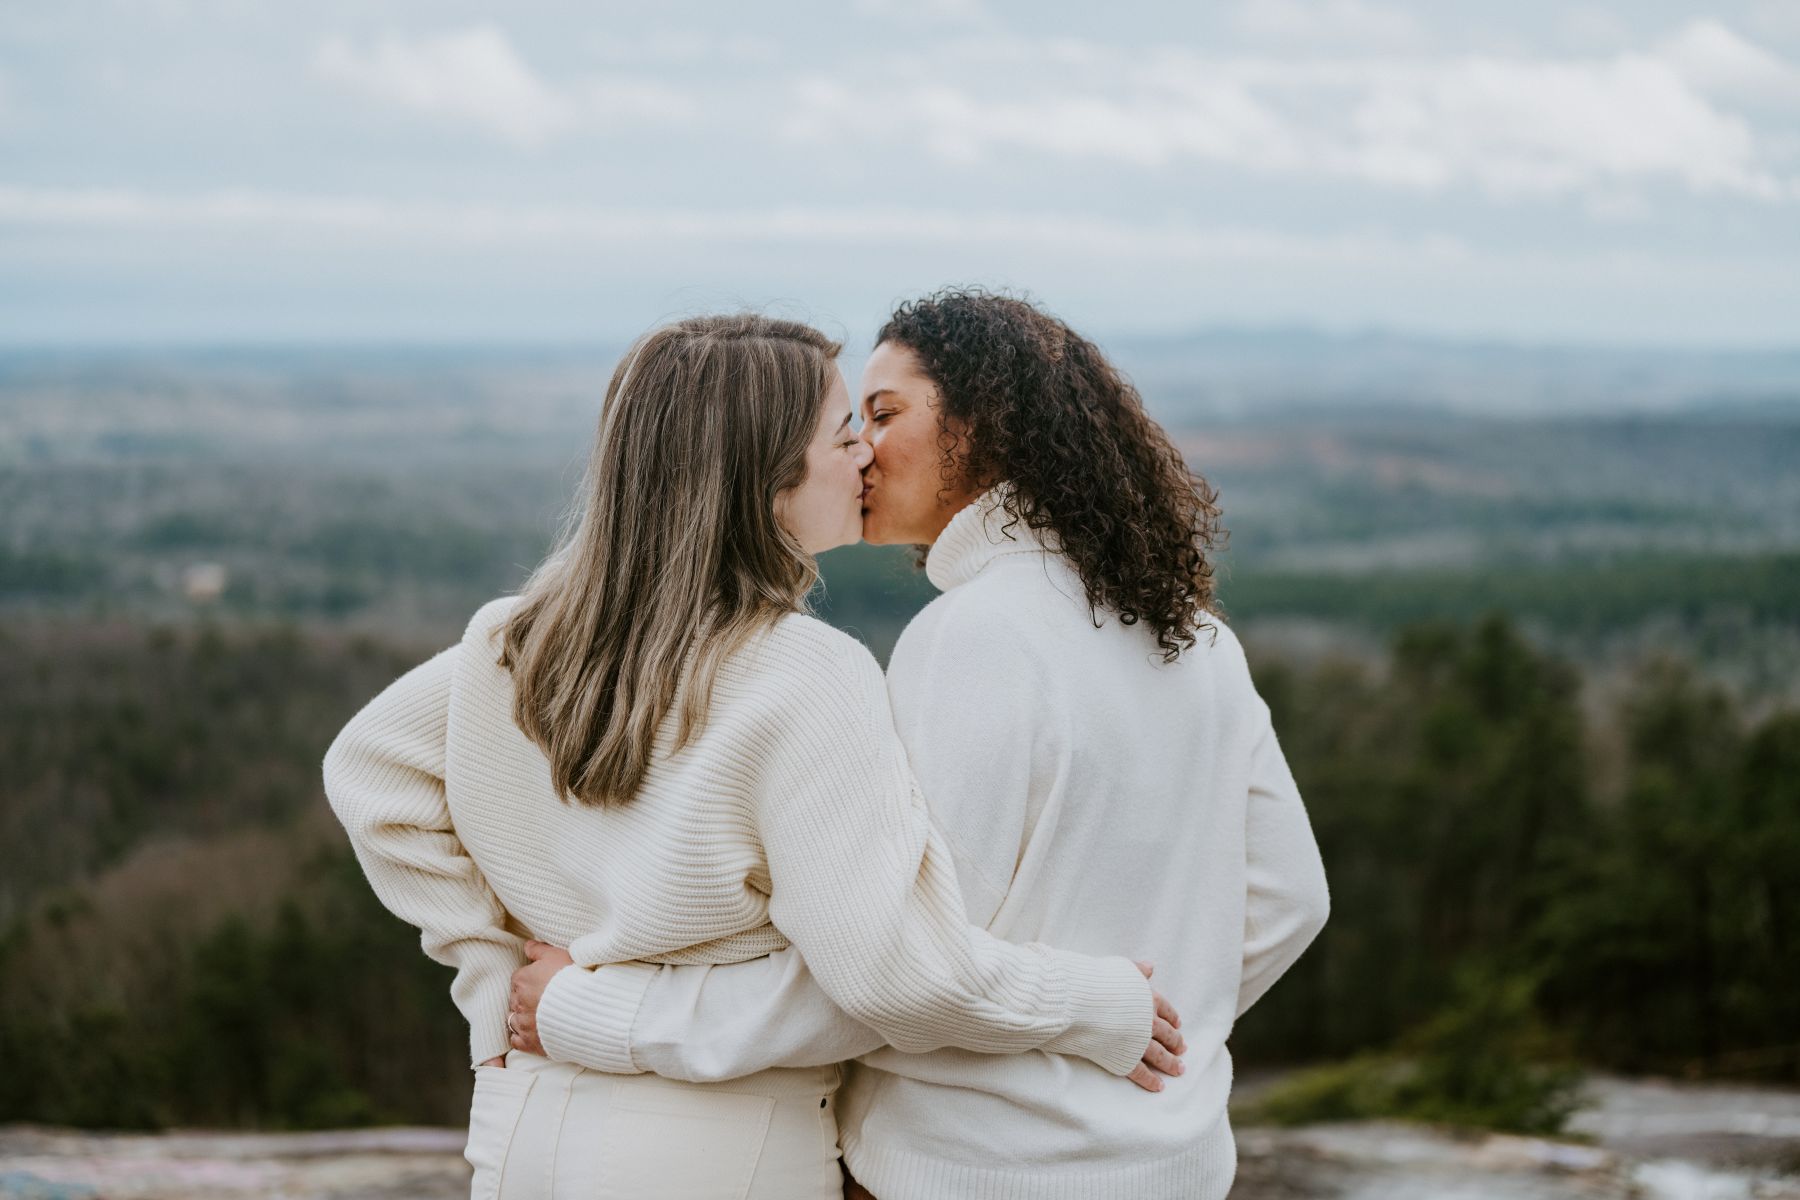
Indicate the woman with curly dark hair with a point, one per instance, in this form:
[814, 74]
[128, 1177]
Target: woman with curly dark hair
[1001, 392]
[1070, 703]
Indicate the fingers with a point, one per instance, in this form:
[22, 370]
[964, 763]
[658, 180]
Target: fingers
[1166, 1011]
[1161, 1061]
[521, 1029]
[1148, 969]
[535, 949]
[1159, 1057]
[1145, 1078]
[1166, 1046]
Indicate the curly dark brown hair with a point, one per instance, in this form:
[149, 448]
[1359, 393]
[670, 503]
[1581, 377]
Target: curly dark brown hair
[1046, 412]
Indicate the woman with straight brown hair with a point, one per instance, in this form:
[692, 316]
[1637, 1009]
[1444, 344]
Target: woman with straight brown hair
[654, 756]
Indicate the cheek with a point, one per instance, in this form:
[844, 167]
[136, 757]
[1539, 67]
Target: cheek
[907, 459]
[840, 475]
[843, 467]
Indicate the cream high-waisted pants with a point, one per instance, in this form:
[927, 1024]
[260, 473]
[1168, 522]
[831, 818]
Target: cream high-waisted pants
[542, 1130]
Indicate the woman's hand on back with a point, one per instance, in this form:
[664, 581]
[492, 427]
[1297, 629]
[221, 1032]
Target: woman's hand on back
[1166, 1043]
[528, 984]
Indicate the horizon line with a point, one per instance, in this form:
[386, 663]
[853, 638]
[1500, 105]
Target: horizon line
[610, 342]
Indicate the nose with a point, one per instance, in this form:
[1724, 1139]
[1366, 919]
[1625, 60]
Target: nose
[864, 454]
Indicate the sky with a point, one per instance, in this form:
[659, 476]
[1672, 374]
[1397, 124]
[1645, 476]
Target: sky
[435, 171]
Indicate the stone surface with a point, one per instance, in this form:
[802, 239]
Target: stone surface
[1635, 1140]
[382, 1164]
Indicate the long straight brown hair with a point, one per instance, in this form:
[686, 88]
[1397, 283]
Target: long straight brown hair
[673, 557]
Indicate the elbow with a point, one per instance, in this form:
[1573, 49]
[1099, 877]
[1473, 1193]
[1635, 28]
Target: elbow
[1296, 918]
[1320, 912]
[1315, 908]
[907, 1022]
[880, 986]
[883, 1012]
[337, 774]
[331, 775]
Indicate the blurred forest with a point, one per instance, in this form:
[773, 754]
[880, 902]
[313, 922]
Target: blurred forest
[1536, 675]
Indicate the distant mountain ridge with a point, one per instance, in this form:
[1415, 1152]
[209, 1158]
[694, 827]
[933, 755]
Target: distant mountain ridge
[1231, 372]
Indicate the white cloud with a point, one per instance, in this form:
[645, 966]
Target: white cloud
[636, 240]
[1716, 60]
[459, 258]
[1329, 21]
[1069, 235]
[475, 76]
[1591, 128]
[1218, 121]
[1550, 128]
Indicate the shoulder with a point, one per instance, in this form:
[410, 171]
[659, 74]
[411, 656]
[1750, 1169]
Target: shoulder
[485, 625]
[1215, 635]
[968, 626]
[801, 651]
[1219, 644]
[805, 683]
[408, 709]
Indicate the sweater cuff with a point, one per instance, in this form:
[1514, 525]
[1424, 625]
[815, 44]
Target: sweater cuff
[586, 1015]
[1111, 1012]
[482, 991]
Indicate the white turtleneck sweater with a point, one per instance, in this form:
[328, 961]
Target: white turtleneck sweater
[1095, 798]
[790, 818]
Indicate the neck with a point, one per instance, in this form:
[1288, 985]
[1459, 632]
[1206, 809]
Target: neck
[980, 532]
[947, 513]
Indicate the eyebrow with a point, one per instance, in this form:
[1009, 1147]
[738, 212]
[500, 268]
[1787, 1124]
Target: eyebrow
[870, 398]
[843, 424]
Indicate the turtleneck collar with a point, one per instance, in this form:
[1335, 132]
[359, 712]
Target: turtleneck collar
[978, 534]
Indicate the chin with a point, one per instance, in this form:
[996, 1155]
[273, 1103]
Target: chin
[875, 531]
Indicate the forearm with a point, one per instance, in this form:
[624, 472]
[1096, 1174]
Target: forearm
[460, 925]
[702, 1024]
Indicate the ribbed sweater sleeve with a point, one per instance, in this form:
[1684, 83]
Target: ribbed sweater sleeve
[1286, 901]
[384, 777]
[865, 889]
[699, 1023]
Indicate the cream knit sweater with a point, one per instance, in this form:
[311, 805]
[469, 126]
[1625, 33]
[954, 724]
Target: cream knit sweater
[1094, 797]
[792, 818]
